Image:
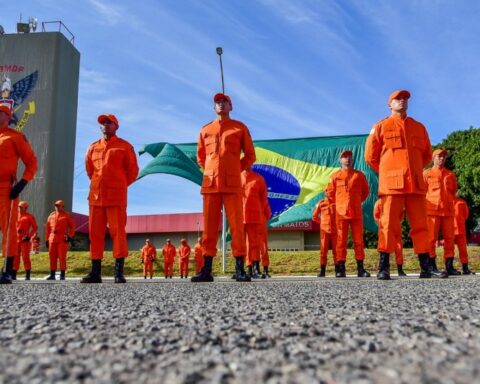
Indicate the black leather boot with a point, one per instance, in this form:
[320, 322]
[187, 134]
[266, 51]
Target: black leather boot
[466, 270]
[361, 272]
[205, 275]
[256, 270]
[265, 271]
[384, 266]
[424, 261]
[13, 274]
[250, 271]
[119, 263]
[27, 274]
[434, 271]
[451, 271]
[341, 272]
[95, 276]
[6, 277]
[52, 275]
[62, 275]
[240, 273]
[322, 271]
[400, 270]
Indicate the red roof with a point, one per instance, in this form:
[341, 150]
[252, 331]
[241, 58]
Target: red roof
[178, 222]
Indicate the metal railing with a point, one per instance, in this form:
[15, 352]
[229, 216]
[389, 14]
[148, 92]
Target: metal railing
[60, 27]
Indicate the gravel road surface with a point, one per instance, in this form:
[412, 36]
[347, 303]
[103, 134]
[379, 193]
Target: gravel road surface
[281, 330]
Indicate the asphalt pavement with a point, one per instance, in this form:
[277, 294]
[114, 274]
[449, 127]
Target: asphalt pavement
[280, 330]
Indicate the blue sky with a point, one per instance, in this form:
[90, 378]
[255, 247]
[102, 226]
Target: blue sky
[293, 69]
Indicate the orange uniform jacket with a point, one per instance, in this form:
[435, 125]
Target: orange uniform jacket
[197, 251]
[442, 187]
[218, 152]
[350, 189]
[184, 252]
[168, 252]
[255, 202]
[26, 225]
[56, 227]
[14, 145]
[461, 215]
[324, 214]
[149, 253]
[111, 166]
[398, 149]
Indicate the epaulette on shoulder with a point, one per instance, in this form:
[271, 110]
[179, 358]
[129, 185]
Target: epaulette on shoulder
[210, 122]
[381, 120]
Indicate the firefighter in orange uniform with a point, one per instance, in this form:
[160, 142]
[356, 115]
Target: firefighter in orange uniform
[35, 243]
[198, 253]
[377, 214]
[442, 188]
[59, 231]
[13, 146]
[111, 166]
[219, 153]
[26, 228]
[255, 211]
[149, 255]
[350, 189]
[183, 258]
[168, 252]
[461, 215]
[325, 215]
[398, 148]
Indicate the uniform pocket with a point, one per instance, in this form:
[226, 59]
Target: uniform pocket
[394, 179]
[208, 178]
[211, 144]
[233, 179]
[393, 139]
[418, 142]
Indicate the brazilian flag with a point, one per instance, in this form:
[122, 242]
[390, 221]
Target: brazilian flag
[296, 171]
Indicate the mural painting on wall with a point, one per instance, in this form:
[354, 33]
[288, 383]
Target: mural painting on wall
[16, 93]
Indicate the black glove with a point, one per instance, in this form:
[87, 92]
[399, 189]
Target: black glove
[26, 238]
[46, 244]
[67, 239]
[17, 188]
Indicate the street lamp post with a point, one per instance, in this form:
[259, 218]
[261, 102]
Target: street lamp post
[224, 216]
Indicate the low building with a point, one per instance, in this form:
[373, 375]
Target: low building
[298, 236]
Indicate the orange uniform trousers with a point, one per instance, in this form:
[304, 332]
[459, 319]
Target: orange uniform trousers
[58, 252]
[390, 222]
[212, 205]
[199, 260]
[356, 226]
[148, 268]
[168, 268]
[116, 217]
[328, 241]
[5, 205]
[183, 263]
[461, 241]
[264, 246]
[24, 251]
[446, 224]
[254, 238]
